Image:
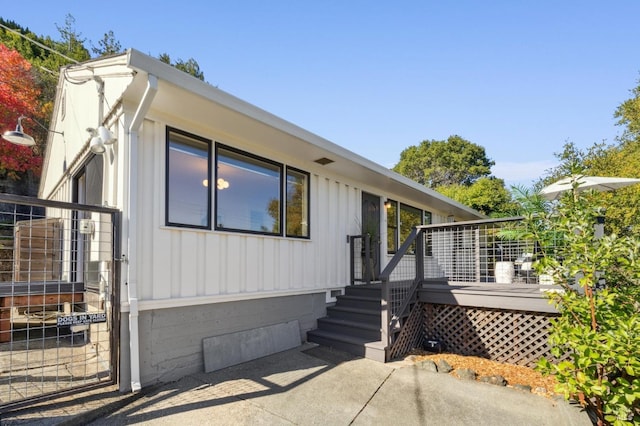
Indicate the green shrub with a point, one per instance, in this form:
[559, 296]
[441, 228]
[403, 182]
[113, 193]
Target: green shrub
[597, 335]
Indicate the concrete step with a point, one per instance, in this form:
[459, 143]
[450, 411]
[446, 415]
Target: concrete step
[375, 351]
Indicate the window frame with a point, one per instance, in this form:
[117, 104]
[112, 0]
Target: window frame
[392, 227]
[411, 210]
[307, 202]
[395, 226]
[167, 200]
[280, 166]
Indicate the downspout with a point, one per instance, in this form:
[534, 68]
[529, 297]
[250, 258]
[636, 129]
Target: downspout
[130, 233]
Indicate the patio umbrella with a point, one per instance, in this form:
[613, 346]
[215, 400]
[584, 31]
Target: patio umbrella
[598, 183]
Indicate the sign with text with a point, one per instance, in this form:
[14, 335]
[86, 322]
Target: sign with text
[82, 319]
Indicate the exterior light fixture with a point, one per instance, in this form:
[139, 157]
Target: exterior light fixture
[18, 136]
[100, 137]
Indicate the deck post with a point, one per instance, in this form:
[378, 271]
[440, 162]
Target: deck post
[420, 255]
[385, 314]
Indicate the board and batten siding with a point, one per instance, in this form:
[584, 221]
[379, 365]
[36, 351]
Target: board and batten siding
[177, 263]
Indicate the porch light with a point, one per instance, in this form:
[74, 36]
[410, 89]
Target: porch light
[18, 136]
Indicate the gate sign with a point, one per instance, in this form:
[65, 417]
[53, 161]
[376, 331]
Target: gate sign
[82, 319]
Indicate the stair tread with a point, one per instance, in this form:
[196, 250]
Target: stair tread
[341, 337]
[360, 324]
[355, 297]
[350, 309]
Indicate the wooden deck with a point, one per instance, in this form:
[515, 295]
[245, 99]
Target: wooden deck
[519, 297]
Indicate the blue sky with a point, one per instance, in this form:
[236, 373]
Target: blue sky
[518, 78]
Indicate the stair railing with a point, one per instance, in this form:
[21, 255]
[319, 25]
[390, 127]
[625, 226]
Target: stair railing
[397, 296]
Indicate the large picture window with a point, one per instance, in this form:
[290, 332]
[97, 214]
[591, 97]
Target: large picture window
[188, 199]
[297, 211]
[248, 192]
[252, 194]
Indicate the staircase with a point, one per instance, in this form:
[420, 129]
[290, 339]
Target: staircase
[353, 324]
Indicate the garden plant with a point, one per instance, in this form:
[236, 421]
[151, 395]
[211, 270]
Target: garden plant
[595, 342]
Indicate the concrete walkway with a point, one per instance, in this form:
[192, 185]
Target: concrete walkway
[312, 385]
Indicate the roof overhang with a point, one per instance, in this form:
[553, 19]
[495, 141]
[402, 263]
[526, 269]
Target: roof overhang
[204, 105]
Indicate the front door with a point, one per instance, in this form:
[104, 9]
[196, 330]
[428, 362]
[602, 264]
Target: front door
[371, 230]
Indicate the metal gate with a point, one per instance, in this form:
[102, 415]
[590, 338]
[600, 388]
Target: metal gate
[58, 297]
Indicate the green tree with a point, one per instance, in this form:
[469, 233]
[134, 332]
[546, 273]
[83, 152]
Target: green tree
[458, 169]
[488, 195]
[595, 339]
[41, 53]
[622, 159]
[436, 163]
[621, 207]
[628, 115]
[72, 44]
[109, 45]
[190, 67]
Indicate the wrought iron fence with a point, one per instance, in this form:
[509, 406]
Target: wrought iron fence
[58, 297]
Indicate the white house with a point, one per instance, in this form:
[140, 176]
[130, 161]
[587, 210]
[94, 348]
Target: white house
[233, 220]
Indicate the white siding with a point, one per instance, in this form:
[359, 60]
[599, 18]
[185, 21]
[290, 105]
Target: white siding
[179, 263]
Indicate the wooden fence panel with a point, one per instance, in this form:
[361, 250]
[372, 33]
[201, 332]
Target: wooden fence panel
[38, 250]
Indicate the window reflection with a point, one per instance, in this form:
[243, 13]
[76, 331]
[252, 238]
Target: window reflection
[297, 202]
[247, 193]
[188, 199]
[401, 219]
[409, 217]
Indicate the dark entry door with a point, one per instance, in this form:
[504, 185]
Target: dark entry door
[371, 228]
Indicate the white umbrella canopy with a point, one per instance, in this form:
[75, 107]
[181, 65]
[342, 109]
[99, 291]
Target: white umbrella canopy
[598, 183]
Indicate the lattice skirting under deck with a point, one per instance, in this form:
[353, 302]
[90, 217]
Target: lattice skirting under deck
[514, 337]
[411, 334]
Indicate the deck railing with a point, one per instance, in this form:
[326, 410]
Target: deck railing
[481, 252]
